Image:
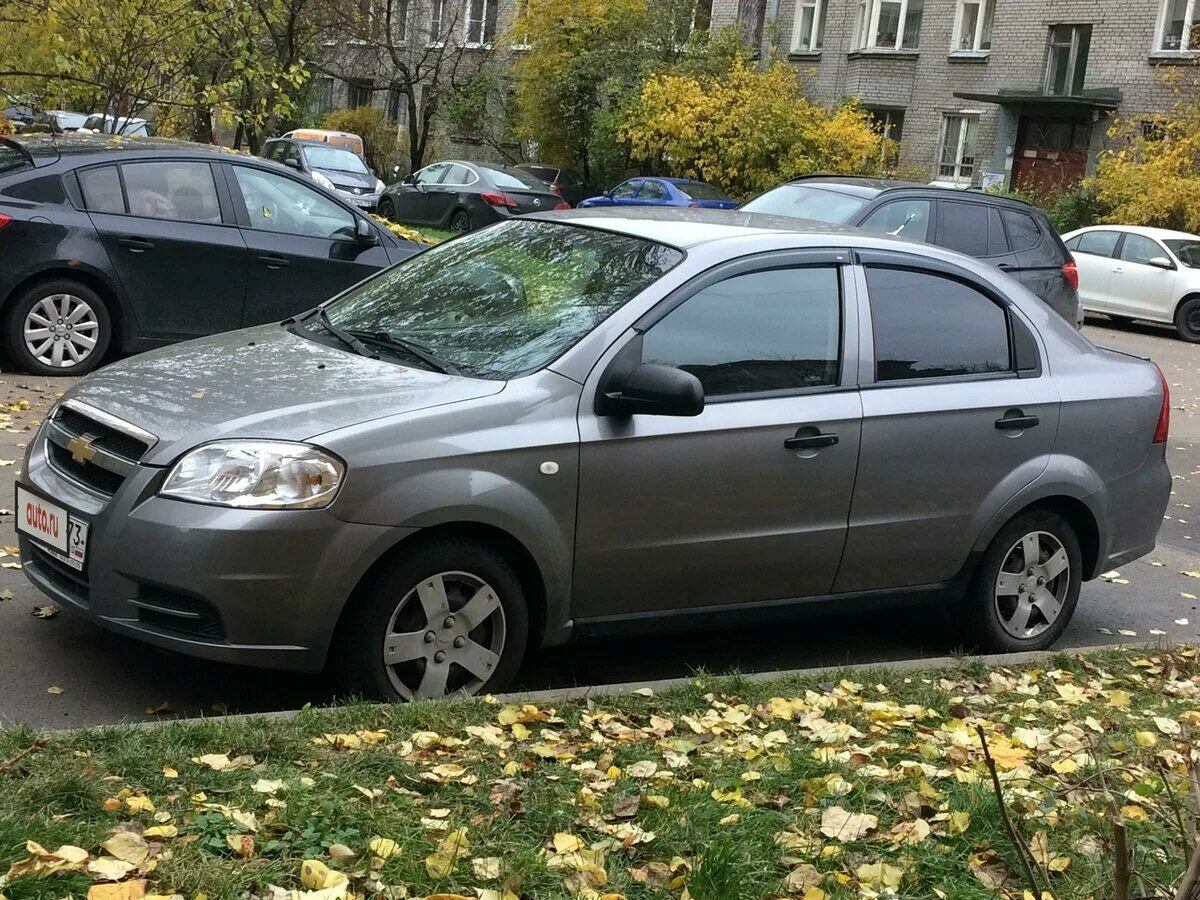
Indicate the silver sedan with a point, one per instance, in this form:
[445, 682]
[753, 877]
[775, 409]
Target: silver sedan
[593, 422]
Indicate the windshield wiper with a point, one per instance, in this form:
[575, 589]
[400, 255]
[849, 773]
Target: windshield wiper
[344, 336]
[422, 353]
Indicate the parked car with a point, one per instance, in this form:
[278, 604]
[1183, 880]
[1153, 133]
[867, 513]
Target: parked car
[345, 139]
[460, 196]
[570, 184]
[1129, 272]
[593, 422]
[67, 121]
[146, 242]
[330, 166]
[1009, 234]
[663, 192]
[125, 125]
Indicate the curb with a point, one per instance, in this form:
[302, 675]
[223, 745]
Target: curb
[566, 695]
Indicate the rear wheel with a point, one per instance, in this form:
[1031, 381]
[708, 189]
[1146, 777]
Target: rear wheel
[1187, 320]
[1027, 585]
[443, 618]
[387, 209]
[58, 327]
[460, 222]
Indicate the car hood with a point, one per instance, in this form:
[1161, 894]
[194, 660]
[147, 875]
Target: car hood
[262, 382]
[349, 180]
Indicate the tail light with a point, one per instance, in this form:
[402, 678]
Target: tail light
[563, 205]
[499, 200]
[1164, 412]
[1071, 273]
[556, 189]
[4, 220]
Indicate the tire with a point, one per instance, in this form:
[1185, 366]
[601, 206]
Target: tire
[460, 221]
[1187, 320]
[433, 658]
[40, 310]
[992, 610]
[387, 209]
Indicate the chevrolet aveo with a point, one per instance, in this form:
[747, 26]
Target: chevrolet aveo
[592, 422]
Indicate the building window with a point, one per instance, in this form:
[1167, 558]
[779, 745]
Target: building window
[1179, 29]
[889, 125]
[1153, 129]
[973, 25]
[956, 161]
[808, 29]
[438, 22]
[888, 24]
[1067, 60]
[397, 106]
[358, 93]
[399, 21]
[322, 93]
[481, 23]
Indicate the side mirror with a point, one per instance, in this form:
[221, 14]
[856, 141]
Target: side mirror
[364, 233]
[608, 194]
[292, 163]
[1160, 262]
[653, 390]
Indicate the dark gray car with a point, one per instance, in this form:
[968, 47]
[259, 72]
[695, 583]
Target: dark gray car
[334, 168]
[596, 422]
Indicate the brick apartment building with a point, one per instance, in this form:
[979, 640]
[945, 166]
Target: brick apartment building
[978, 91]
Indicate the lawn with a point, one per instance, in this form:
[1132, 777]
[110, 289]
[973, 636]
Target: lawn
[815, 787]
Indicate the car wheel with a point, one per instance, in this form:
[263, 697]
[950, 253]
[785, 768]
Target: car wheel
[460, 222]
[58, 327]
[1187, 320]
[443, 618]
[387, 209]
[1027, 585]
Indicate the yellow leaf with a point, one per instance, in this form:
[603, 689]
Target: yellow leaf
[316, 876]
[161, 831]
[486, 868]
[959, 822]
[843, 825]
[566, 843]
[382, 847]
[107, 868]
[732, 819]
[1145, 738]
[168, 772]
[1136, 813]
[127, 847]
[54, 689]
[263, 786]
[879, 876]
[134, 889]
[241, 844]
[1119, 699]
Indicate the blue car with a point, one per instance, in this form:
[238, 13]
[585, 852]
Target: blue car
[662, 192]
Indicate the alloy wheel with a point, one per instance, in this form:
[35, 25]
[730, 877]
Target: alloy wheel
[61, 330]
[1032, 585]
[446, 636]
[460, 223]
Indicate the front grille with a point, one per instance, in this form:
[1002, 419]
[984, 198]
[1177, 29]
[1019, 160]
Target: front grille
[167, 609]
[93, 449]
[71, 582]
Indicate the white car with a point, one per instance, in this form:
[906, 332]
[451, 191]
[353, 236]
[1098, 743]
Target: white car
[1132, 272]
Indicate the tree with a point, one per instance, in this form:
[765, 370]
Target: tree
[745, 131]
[379, 136]
[1152, 176]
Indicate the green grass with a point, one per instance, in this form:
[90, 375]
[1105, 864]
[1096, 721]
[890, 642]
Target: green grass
[568, 770]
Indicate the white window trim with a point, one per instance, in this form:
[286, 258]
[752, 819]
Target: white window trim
[956, 34]
[435, 34]
[1189, 23]
[957, 179]
[467, 42]
[865, 39]
[814, 33]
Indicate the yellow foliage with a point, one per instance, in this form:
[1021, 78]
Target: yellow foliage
[745, 131]
[6, 125]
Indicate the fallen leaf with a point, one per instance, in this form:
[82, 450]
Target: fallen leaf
[127, 847]
[241, 844]
[844, 825]
[168, 772]
[383, 847]
[316, 876]
[879, 876]
[1167, 726]
[263, 786]
[731, 819]
[41, 612]
[107, 868]
[161, 831]
[486, 868]
[134, 889]
[54, 689]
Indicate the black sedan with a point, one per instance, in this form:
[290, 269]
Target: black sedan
[459, 196]
[126, 245]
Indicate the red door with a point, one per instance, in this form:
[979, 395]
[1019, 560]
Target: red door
[1051, 155]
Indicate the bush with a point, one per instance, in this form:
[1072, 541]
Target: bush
[6, 125]
[378, 134]
[1078, 208]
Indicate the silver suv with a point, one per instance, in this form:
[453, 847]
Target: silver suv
[592, 422]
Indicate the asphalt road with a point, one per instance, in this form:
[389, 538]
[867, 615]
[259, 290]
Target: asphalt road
[105, 678]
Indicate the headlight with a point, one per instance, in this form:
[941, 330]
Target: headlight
[379, 186]
[256, 475]
[324, 182]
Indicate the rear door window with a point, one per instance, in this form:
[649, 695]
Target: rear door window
[101, 189]
[927, 325]
[1023, 232]
[653, 190]
[902, 218]
[1098, 243]
[964, 227]
[183, 191]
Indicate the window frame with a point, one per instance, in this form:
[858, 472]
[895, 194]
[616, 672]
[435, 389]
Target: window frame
[983, 22]
[1191, 20]
[1116, 250]
[866, 31]
[437, 23]
[241, 216]
[1014, 319]
[816, 31]
[1072, 58]
[965, 118]
[225, 204]
[1162, 251]
[484, 43]
[848, 341]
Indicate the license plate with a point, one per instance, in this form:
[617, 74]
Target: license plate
[362, 201]
[62, 534]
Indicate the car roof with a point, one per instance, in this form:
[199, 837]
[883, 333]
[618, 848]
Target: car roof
[47, 149]
[1147, 231]
[689, 228]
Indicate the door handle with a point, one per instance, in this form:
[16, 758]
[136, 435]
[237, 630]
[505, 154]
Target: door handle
[1014, 421]
[1118, 269]
[273, 262]
[810, 441]
[135, 245]
[1006, 267]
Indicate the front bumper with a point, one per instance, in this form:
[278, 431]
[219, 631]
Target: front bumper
[256, 587]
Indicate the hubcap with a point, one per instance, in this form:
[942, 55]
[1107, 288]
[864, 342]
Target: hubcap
[445, 637]
[1032, 586]
[1193, 321]
[61, 330]
[460, 224]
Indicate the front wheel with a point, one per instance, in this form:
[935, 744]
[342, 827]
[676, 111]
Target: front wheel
[1187, 320]
[442, 618]
[58, 327]
[1027, 585]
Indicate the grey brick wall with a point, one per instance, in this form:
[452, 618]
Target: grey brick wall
[923, 83]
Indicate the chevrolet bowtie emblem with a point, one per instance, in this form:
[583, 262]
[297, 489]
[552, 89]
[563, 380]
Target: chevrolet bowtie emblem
[81, 449]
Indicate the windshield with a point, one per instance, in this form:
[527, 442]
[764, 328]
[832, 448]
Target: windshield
[336, 159]
[506, 300]
[698, 190]
[801, 201]
[1188, 251]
